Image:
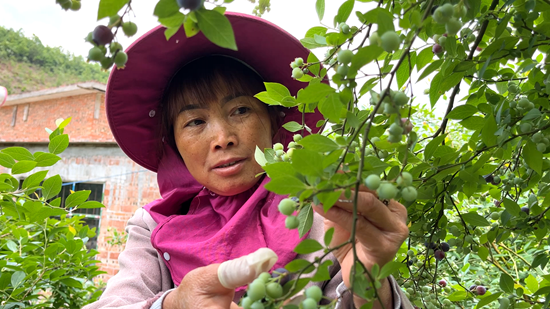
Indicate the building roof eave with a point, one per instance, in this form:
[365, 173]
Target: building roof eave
[55, 93]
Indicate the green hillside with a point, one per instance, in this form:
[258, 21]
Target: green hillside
[27, 65]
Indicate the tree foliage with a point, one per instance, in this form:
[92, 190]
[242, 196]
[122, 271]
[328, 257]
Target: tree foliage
[44, 262]
[48, 66]
[479, 198]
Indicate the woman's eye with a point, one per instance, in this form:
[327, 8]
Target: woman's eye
[242, 110]
[194, 122]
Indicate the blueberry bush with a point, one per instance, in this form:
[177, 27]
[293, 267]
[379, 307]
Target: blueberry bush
[44, 262]
[475, 179]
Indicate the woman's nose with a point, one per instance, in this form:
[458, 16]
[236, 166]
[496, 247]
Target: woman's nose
[224, 135]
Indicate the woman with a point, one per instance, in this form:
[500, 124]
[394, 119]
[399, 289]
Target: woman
[197, 101]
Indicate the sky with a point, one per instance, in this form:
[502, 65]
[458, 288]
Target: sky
[67, 29]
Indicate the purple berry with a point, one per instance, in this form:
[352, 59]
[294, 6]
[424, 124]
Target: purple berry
[437, 49]
[283, 273]
[445, 247]
[102, 35]
[525, 209]
[192, 5]
[442, 283]
[481, 290]
[439, 255]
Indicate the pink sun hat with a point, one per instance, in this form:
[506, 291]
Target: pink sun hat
[134, 94]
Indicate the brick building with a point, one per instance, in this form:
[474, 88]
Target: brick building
[93, 160]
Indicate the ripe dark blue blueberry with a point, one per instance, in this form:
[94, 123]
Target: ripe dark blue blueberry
[439, 255]
[192, 5]
[445, 247]
[282, 274]
[102, 35]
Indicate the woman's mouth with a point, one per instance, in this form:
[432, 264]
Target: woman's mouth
[228, 164]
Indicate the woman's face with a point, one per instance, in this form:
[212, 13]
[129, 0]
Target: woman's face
[217, 142]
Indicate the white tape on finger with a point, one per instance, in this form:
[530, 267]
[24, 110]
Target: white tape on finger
[243, 270]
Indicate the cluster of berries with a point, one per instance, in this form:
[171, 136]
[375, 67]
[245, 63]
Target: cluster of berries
[281, 155]
[387, 190]
[297, 70]
[287, 207]
[103, 35]
[392, 102]
[265, 289]
[450, 16]
[73, 5]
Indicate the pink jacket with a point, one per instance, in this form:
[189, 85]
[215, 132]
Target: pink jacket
[143, 277]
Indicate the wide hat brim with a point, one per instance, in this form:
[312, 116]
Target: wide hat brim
[134, 93]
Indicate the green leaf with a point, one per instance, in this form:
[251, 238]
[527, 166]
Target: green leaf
[328, 236]
[435, 89]
[65, 122]
[285, 185]
[16, 278]
[51, 187]
[320, 8]
[475, 219]
[403, 73]
[77, 198]
[462, 112]
[318, 143]
[23, 166]
[328, 198]
[277, 91]
[483, 253]
[424, 57]
[432, 67]
[473, 123]
[46, 159]
[71, 282]
[322, 273]
[19, 153]
[90, 204]
[488, 132]
[532, 283]
[364, 56]
[432, 146]
[166, 8]
[331, 107]
[458, 296]
[6, 160]
[308, 246]
[305, 217]
[297, 265]
[259, 156]
[169, 32]
[34, 180]
[217, 28]
[450, 81]
[389, 269]
[511, 206]
[293, 126]
[307, 162]
[190, 27]
[314, 93]
[58, 144]
[173, 21]
[487, 300]
[533, 157]
[279, 169]
[543, 290]
[506, 283]
[382, 17]
[109, 8]
[344, 12]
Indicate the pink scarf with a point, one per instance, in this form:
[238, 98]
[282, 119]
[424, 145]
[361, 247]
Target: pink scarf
[216, 228]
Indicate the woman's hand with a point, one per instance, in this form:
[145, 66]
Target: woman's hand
[380, 231]
[213, 286]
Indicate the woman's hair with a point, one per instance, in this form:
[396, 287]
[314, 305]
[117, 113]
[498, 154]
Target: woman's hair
[203, 81]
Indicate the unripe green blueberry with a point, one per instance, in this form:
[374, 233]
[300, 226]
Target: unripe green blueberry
[523, 102]
[344, 28]
[297, 73]
[382, 154]
[278, 146]
[374, 39]
[395, 129]
[344, 56]
[343, 70]
[291, 222]
[274, 290]
[469, 239]
[279, 153]
[390, 41]
[285, 157]
[120, 59]
[106, 63]
[75, 5]
[410, 253]
[405, 179]
[114, 47]
[525, 127]
[299, 61]
[372, 181]
[459, 10]
[453, 26]
[297, 137]
[537, 137]
[287, 206]
[256, 290]
[409, 194]
[314, 292]
[290, 152]
[257, 305]
[541, 147]
[394, 138]
[496, 180]
[265, 276]
[129, 28]
[513, 104]
[442, 40]
[400, 98]
[95, 54]
[504, 303]
[309, 303]
[247, 302]
[387, 191]
[293, 65]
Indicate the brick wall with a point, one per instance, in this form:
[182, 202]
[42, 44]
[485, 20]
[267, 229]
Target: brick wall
[94, 158]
